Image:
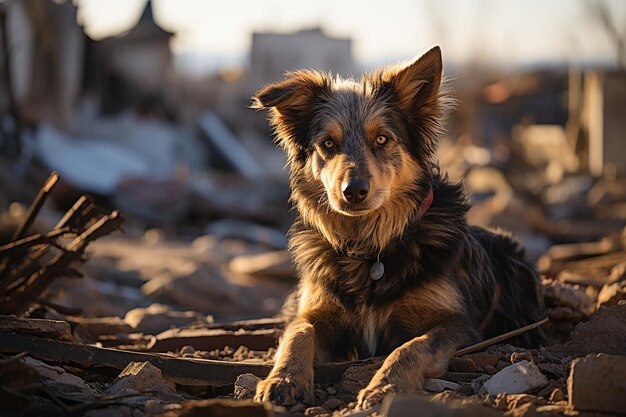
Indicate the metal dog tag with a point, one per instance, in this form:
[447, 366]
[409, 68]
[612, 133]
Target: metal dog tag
[377, 270]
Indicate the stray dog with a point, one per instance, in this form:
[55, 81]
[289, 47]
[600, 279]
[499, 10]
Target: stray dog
[387, 262]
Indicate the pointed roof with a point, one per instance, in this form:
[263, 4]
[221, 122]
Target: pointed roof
[147, 28]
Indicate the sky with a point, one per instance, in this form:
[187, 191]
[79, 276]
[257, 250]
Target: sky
[502, 32]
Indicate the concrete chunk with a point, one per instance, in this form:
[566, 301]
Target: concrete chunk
[598, 383]
[518, 378]
[141, 376]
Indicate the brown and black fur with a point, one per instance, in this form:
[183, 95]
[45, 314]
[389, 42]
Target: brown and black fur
[440, 272]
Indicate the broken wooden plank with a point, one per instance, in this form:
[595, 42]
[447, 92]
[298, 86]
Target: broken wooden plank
[53, 329]
[205, 339]
[37, 204]
[255, 324]
[203, 372]
[181, 371]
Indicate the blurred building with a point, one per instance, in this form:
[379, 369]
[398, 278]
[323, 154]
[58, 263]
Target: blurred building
[133, 68]
[603, 120]
[45, 51]
[274, 53]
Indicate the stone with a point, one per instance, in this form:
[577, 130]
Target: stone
[557, 395]
[143, 377]
[518, 378]
[331, 390]
[483, 359]
[478, 383]
[598, 383]
[315, 411]
[356, 377]
[158, 318]
[298, 408]
[245, 386]
[334, 403]
[462, 365]
[611, 294]
[218, 407]
[57, 380]
[401, 406]
[521, 356]
[187, 350]
[438, 385]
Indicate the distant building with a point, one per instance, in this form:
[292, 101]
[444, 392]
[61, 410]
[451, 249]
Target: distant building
[603, 120]
[133, 67]
[45, 47]
[274, 53]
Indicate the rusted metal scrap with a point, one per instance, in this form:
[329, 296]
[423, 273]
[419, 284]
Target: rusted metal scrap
[29, 264]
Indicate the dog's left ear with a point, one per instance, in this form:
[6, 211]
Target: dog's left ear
[417, 84]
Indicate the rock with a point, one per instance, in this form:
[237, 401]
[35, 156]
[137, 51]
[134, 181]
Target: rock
[187, 350]
[158, 318]
[331, 390]
[438, 385]
[298, 408]
[521, 356]
[116, 411]
[334, 403]
[557, 395]
[462, 365]
[478, 383]
[276, 264]
[490, 369]
[98, 326]
[518, 378]
[401, 406]
[57, 380]
[605, 332]
[355, 378]
[598, 383]
[143, 377]
[611, 294]
[315, 411]
[483, 359]
[217, 407]
[245, 386]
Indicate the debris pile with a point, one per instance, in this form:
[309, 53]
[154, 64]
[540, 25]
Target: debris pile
[162, 328]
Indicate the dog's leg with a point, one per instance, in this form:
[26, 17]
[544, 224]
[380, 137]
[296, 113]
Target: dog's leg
[291, 379]
[405, 368]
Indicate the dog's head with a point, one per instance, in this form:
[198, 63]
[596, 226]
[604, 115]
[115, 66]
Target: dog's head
[359, 142]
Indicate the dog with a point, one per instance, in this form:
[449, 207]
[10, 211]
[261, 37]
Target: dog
[387, 262]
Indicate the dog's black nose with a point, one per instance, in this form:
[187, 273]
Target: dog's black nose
[356, 191]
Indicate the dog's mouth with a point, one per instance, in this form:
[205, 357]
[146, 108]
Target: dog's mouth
[354, 210]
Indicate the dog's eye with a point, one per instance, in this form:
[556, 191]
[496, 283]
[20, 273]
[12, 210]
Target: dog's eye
[381, 140]
[329, 144]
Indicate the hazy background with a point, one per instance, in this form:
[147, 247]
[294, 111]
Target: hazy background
[506, 33]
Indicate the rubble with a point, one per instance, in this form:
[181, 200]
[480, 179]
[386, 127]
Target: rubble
[598, 383]
[245, 386]
[143, 377]
[216, 407]
[158, 318]
[53, 329]
[519, 378]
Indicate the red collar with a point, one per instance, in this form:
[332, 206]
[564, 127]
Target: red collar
[428, 201]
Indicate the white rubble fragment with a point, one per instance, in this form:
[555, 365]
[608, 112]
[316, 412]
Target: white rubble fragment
[518, 378]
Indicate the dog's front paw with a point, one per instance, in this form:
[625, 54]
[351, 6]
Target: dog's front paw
[284, 390]
[374, 394]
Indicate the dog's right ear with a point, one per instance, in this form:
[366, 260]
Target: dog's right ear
[292, 103]
[295, 95]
